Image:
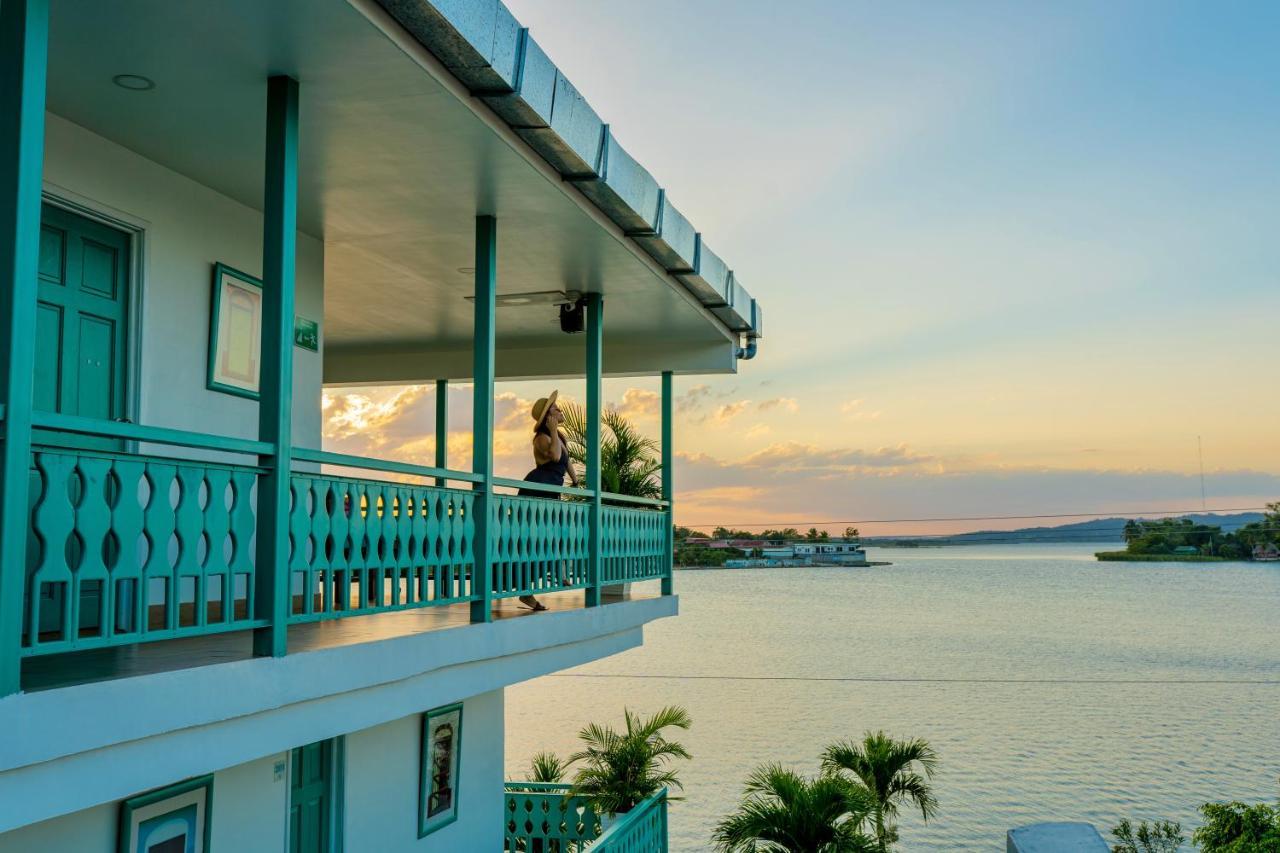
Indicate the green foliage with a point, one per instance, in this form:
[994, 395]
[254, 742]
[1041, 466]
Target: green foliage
[891, 772]
[547, 767]
[629, 463]
[682, 533]
[1167, 535]
[851, 533]
[622, 769]
[784, 812]
[1159, 837]
[815, 534]
[700, 555]
[1238, 828]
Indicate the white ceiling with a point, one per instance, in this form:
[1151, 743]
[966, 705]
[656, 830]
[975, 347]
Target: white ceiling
[394, 167]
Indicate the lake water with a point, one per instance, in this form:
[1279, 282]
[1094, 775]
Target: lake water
[1053, 687]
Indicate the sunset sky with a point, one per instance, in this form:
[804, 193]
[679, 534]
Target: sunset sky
[1014, 257]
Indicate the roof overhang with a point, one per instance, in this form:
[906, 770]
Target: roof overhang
[398, 154]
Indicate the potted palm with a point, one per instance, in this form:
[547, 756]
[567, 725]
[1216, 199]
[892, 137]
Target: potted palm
[618, 770]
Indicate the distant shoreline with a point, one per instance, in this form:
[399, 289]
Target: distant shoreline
[1126, 557]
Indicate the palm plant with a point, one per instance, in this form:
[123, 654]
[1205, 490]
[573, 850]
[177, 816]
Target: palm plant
[784, 812]
[547, 767]
[621, 769]
[886, 769]
[629, 462]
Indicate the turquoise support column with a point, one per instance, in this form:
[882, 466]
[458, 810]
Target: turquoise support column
[595, 345]
[24, 46]
[485, 338]
[442, 427]
[668, 483]
[275, 404]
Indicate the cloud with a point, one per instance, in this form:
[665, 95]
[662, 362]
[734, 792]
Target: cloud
[758, 430]
[729, 411]
[787, 403]
[797, 456]
[693, 399]
[638, 403]
[853, 410]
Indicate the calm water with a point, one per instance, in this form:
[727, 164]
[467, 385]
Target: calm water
[1053, 686]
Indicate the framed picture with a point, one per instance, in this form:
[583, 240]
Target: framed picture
[235, 332]
[175, 819]
[441, 762]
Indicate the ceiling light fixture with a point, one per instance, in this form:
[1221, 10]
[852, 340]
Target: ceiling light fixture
[134, 82]
[534, 297]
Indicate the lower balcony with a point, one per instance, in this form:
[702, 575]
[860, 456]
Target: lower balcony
[129, 548]
[548, 818]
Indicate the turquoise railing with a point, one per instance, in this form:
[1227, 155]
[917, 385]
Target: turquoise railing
[365, 546]
[539, 544]
[127, 547]
[641, 830]
[546, 818]
[543, 818]
[634, 544]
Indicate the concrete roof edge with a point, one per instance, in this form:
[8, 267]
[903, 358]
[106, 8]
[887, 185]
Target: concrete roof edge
[484, 47]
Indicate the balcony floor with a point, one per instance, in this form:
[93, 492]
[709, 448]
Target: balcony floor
[46, 672]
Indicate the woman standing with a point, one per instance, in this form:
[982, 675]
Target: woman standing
[551, 458]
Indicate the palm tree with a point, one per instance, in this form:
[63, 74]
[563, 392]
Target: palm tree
[783, 812]
[622, 769]
[629, 462]
[886, 769]
[547, 767]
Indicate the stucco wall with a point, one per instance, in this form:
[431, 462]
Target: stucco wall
[249, 810]
[187, 228]
[382, 784]
[381, 797]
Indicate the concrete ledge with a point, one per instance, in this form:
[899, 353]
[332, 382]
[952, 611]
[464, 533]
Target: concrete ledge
[54, 724]
[1056, 838]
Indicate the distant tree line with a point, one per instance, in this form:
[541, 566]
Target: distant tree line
[789, 534]
[1168, 535]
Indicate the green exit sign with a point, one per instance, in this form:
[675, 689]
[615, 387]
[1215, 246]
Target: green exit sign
[306, 333]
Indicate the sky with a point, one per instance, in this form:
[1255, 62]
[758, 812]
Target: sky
[1015, 258]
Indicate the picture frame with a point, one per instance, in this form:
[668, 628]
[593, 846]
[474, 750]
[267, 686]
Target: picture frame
[235, 333]
[441, 768]
[174, 819]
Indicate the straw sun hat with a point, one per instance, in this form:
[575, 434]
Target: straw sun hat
[539, 410]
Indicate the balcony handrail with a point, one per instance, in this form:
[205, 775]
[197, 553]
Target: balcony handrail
[509, 483]
[324, 457]
[629, 821]
[154, 435]
[634, 499]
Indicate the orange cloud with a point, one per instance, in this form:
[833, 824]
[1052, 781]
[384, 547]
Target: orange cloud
[788, 403]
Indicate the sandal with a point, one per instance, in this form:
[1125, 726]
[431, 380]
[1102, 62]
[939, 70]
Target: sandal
[532, 603]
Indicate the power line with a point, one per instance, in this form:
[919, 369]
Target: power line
[1113, 513]
[872, 679]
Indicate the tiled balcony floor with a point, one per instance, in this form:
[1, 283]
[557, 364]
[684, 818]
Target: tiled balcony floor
[45, 672]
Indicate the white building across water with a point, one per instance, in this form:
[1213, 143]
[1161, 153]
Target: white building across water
[213, 634]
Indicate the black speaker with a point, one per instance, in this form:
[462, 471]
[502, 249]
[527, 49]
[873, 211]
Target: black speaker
[573, 318]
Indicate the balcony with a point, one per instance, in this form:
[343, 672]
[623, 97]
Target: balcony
[129, 547]
[545, 818]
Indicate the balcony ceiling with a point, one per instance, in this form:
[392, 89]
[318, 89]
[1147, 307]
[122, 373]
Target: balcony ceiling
[395, 163]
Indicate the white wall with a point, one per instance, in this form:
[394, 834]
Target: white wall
[382, 784]
[250, 804]
[249, 814]
[187, 228]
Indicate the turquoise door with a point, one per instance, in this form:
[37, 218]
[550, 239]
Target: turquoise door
[311, 798]
[82, 319]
